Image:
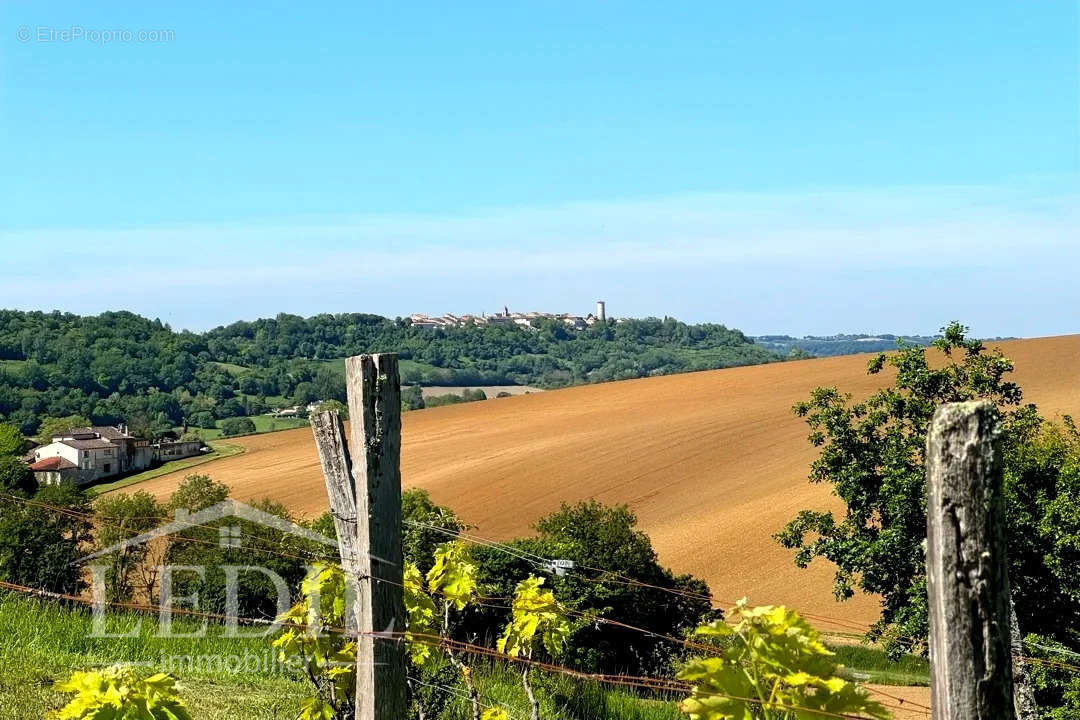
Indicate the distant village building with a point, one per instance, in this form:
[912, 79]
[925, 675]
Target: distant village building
[521, 319]
[88, 454]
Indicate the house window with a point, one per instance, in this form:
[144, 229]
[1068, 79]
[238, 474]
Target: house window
[108, 452]
[86, 453]
[108, 467]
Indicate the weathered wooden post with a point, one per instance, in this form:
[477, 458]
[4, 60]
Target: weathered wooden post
[1023, 692]
[364, 488]
[966, 568]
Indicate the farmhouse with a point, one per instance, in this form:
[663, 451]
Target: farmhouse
[87, 454]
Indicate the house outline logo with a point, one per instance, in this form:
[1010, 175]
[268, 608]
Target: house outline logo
[228, 537]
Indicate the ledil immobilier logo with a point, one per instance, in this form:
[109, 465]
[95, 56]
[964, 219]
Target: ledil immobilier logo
[229, 536]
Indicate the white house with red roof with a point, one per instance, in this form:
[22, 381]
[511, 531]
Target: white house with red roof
[87, 454]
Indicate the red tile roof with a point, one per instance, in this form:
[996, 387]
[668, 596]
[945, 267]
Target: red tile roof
[52, 463]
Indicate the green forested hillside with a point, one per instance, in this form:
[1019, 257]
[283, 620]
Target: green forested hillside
[118, 366]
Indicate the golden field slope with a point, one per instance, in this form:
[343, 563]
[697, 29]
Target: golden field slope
[712, 463]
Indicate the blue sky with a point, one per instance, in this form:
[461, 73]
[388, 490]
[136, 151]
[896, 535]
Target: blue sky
[779, 167]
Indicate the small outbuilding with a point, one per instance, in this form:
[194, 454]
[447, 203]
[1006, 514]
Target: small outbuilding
[54, 470]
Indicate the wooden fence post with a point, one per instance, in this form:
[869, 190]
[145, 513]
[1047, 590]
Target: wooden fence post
[337, 472]
[364, 488]
[1023, 692]
[966, 568]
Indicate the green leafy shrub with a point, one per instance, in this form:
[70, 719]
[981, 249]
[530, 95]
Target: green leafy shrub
[312, 638]
[870, 453]
[1056, 684]
[773, 666]
[11, 440]
[537, 619]
[40, 547]
[452, 585]
[237, 426]
[597, 536]
[119, 693]
[16, 476]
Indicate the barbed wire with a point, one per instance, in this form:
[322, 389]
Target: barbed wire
[541, 563]
[642, 682]
[611, 576]
[490, 704]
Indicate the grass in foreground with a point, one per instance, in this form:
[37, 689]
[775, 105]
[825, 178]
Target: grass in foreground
[561, 698]
[219, 450]
[870, 664]
[44, 642]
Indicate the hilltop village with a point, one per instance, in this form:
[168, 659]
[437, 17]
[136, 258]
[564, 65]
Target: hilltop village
[524, 319]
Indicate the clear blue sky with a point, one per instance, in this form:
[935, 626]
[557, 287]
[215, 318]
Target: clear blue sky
[780, 166]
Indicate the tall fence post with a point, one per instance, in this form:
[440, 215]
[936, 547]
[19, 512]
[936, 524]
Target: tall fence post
[337, 472]
[364, 488]
[966, 568]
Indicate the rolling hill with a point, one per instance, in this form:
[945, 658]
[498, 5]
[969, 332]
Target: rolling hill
[712, 462]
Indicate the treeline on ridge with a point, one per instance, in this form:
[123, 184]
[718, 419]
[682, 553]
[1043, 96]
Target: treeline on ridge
[121, 367]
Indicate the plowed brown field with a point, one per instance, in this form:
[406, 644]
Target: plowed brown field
[712, 462]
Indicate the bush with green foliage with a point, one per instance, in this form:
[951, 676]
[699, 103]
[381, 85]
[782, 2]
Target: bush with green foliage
[258, 545]
[871, 454]
[121, 693]
[425, 527]
[605, 544]
[237, 426]
[773, 666]
[467, 395]
[11, 440]
[203, 419]
[130, 569]
[39, 546]
[16, 476]
[1052, 673]
[1042, 499]
[412, 397]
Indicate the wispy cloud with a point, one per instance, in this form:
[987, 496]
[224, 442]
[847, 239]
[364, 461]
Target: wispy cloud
[666, 255]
